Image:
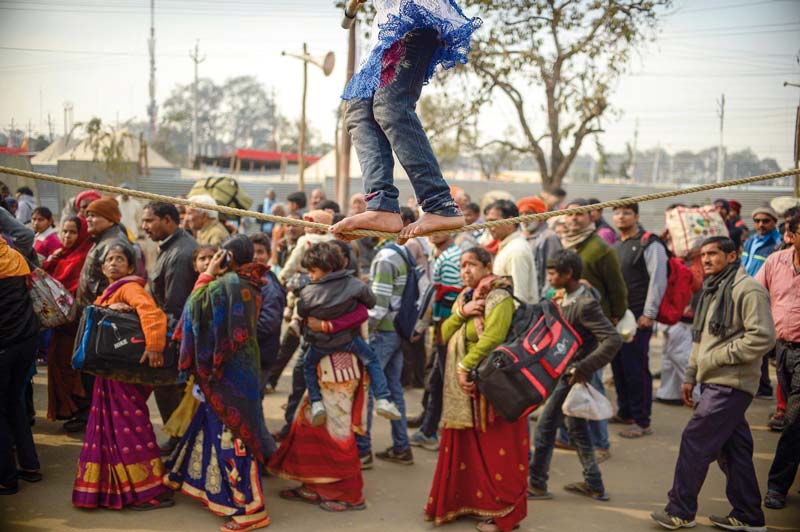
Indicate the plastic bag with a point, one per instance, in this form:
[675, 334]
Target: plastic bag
[584, 401]
[626, 327]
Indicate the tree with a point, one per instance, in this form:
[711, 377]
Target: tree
[249, 113]
[573, 51]
[177, 116]
[106, 142]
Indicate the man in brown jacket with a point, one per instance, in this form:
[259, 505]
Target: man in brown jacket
[731, 332]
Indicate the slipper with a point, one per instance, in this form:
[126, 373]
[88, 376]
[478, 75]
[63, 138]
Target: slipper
[533, 496]
[152, 504]
[29, 476]
[582, 488]
[636, 432]
[301, 495]
[233, 526]
[341, 506]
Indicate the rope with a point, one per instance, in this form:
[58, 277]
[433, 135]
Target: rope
[381, 234]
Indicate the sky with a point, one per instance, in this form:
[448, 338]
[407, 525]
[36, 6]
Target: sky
[93, 54]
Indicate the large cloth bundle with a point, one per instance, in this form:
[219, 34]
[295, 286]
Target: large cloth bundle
[521, 373]
[111, 343]
[225, 190]
[53, 304]
[689, 226]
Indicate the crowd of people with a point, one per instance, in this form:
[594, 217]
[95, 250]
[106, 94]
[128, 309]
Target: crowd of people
[241, 299]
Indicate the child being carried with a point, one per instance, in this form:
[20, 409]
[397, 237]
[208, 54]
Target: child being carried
[334, 296]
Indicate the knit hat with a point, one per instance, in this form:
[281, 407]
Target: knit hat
[735, 205]
[319, 216]
[107, 207]
[531, 204]
[766, 210]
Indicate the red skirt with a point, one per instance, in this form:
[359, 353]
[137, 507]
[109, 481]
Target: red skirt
[484, 474]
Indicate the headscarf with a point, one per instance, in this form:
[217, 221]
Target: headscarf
[91, 195]
[12, 263]
[66, 268]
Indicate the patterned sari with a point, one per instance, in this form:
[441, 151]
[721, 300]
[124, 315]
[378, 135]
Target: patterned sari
[325, 459]
[216, 460]
[120, 463]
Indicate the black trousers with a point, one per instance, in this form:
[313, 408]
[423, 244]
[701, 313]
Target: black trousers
[787, 454]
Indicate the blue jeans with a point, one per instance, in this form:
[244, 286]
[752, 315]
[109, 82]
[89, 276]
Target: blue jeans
[389, 121]
[365, 354]
[544, 440]
[598, 430]
[386, 345]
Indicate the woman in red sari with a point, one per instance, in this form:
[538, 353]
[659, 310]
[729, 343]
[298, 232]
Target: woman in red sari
[66, 396]
[325, 458]
[483, 459]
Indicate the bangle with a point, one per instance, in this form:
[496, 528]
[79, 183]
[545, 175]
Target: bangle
[327, 327]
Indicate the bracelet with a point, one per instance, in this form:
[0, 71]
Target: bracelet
[327, 327]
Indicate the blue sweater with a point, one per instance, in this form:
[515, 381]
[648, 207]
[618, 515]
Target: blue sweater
[756, 250]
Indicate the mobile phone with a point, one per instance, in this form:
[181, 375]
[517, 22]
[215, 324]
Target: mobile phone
[226, 260]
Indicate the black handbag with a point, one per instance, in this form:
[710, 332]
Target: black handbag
[520, 374]
[111, 343]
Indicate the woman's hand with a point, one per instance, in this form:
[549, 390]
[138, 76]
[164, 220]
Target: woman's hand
[121, 307]
[155, 359]
[463, 381]
[215, 266]
[56, 254]
[473, 308]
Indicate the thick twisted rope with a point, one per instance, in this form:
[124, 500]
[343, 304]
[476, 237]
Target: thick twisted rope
[381, 234]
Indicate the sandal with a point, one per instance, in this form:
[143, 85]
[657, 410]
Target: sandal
[300, 494]
[490, 526]
[636, 432]
[152, 504]
[582, 488]
[29, 476]
[341, 506]
[539, 495]
[233, 526]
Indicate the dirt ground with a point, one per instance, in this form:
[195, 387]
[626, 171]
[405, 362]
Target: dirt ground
[637, 477]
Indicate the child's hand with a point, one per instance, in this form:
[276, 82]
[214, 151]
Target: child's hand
[315, 324]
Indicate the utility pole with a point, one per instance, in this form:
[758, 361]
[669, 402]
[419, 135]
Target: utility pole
[345, 145]
[796, 138]
[50, 126]
[10, 143]
[720, 149]
[195, 57]
[152, 109]
[656, 161]
[632, 166]
[301, 147]
[67, 118]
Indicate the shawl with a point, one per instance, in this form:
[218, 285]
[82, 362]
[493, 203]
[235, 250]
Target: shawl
[66, 268]
[573, 239]
[12, 263]
[219, 346]
[459, 410]
[720, 284]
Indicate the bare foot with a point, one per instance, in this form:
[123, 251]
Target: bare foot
[388, 222]
[429, 223]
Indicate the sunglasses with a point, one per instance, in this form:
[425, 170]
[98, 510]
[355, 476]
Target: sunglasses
[762, 220]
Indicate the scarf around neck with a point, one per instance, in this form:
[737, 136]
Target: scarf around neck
[571, 239]
[721, 321]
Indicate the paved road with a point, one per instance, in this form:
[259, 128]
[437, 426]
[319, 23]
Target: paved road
[637, 477]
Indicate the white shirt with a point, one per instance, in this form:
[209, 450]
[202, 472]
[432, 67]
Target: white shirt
[515, 260]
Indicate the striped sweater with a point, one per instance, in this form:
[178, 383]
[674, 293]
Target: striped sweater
[446, 279]
[388, 272]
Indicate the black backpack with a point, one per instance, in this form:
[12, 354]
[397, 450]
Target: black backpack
[111, 343]
[520, 374]
[407, 315]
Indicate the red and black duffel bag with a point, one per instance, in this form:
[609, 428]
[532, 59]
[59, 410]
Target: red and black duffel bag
[520, 374]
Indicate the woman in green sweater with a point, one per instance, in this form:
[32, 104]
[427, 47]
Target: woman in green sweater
[482, 464]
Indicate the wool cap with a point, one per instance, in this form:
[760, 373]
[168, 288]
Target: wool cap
[107, 207]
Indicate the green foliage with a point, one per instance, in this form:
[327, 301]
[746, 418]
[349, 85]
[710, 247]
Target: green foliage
[108, 145]
[557, 62]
